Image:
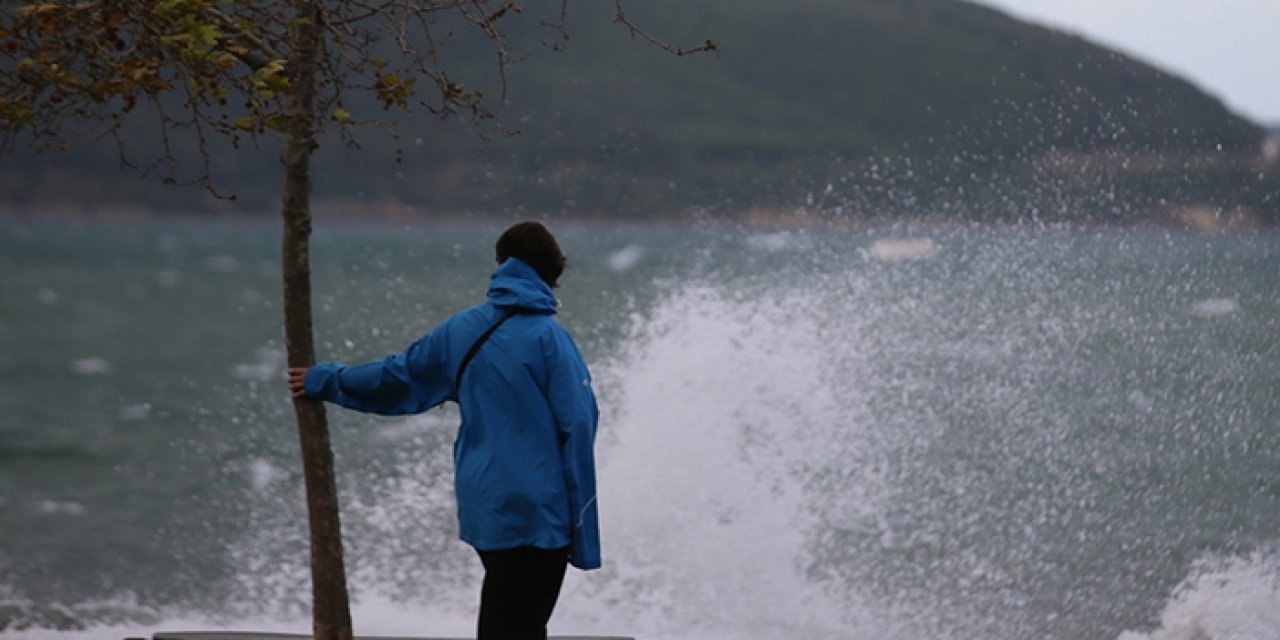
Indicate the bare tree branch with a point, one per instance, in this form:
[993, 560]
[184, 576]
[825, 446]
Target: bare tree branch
[620, 17]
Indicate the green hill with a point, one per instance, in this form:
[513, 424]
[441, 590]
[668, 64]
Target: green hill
[855, 107]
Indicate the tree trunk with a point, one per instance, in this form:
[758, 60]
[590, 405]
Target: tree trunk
[331, 615]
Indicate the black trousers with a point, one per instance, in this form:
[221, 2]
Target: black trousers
[521, 586]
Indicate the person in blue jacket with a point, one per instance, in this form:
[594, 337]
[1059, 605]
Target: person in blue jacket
[524, 455]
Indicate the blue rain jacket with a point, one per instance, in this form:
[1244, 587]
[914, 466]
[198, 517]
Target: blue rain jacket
[524, 456]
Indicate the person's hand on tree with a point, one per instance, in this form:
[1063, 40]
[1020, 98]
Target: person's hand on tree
[297, 381]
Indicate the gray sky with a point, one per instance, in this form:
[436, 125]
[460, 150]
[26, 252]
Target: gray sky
[1226, 47]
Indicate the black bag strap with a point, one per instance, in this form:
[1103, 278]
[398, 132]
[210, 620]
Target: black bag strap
[475, 348]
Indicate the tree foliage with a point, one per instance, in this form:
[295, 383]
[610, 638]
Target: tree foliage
[197, 70]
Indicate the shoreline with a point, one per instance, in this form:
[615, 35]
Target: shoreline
[1198, 219]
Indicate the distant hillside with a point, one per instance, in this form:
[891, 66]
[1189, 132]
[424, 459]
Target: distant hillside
[866, 107]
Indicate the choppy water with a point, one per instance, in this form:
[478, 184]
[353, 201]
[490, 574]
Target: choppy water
[945, 434]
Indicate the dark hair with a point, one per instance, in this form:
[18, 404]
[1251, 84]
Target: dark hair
[536, 247]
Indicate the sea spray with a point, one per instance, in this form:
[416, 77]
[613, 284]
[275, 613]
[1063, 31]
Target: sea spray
[736, 415]
[1233, 598]
[701, 498]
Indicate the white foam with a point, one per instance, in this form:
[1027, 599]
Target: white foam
[1214, 307]
[91, 366]
[262, 474]
[777, 241]
[268, 365]
[135, 412]
[260, 371]
[625, 258]
[1231, 599]
[124, 618]
[899, 249]
[54, 507]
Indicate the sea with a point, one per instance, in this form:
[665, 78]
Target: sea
[884, 433]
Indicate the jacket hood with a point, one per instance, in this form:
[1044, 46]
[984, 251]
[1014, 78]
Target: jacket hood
[515, 285]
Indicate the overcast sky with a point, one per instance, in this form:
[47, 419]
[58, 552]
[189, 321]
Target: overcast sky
[1226, 47]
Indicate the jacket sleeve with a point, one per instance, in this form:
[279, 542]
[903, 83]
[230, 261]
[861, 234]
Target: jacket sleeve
[411, 381]
[573, 403]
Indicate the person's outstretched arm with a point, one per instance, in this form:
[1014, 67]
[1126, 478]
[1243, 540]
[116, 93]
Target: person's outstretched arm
[407, 382]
